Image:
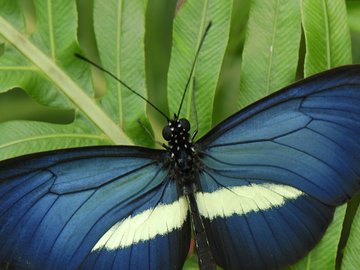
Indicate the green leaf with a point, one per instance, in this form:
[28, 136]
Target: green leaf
[327, 35]
[45, 67]
[11, 11]
[22, 137]
[56, 39]
[352, 249]
[323, 256]
[271, 49]
[191, 263]
[353, 12]
[189, 25]
[119, 31]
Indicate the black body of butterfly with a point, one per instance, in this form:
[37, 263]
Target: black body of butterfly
[259, 189]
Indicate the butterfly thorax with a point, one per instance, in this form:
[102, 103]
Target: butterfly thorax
[183, 156]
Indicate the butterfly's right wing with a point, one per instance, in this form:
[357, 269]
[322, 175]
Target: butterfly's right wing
[273, 173]
[91, 208]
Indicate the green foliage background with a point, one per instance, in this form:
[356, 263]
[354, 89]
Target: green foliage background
[253, 48]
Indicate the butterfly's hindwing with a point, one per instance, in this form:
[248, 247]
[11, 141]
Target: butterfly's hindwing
[151, 238]
[269, 224]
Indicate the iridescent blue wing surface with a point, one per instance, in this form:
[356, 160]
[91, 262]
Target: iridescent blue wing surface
[274, 172]
[91, 208]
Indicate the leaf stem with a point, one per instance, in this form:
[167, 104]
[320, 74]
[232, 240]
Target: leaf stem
[65, 84]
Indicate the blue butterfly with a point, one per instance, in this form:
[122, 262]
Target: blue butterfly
[259, 190]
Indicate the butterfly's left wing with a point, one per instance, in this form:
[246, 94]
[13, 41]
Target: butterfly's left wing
[91, 208]
[274, 172]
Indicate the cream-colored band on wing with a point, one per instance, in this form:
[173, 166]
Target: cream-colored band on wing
[144, 226]
[241, 200]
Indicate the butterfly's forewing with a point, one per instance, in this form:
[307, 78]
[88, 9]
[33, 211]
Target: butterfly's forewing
[71, 208]
[275, 171]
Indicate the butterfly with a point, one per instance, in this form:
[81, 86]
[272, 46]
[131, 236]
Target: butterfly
[259, 189]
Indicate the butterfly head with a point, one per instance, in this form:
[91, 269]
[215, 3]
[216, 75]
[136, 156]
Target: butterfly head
[175, 129]
[176, 133]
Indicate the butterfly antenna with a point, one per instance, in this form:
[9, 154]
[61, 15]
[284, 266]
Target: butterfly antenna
[122, 83]
[193, 65]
